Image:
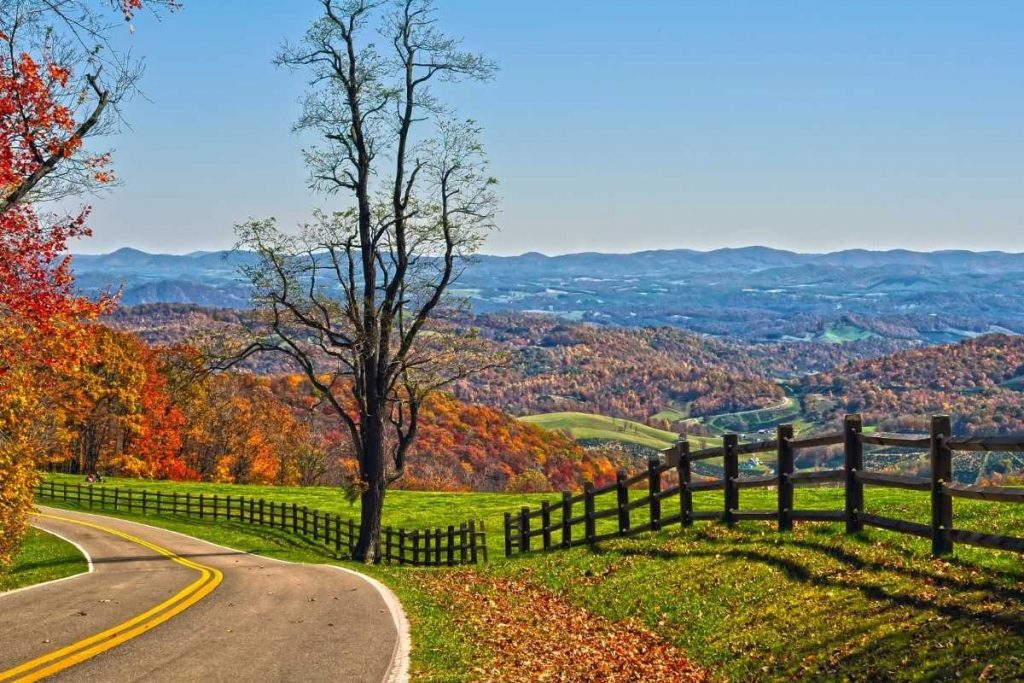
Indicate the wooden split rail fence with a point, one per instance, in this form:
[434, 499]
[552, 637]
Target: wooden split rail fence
[465, 544]
[559, 524]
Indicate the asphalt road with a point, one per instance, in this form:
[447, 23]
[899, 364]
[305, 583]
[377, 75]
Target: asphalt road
[164, 607]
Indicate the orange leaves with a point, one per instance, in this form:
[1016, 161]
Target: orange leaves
[472, 447]
[534, 635]
[34, 123]
[37, 133]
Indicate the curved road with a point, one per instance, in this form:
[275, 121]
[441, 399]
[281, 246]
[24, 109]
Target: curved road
[160, 606]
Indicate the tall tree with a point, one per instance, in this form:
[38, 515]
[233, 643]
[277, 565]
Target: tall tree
[60, 81]
[350, 298]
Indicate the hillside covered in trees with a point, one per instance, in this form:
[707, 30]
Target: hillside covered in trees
[553, 365]
[978, 382]
[134, 410]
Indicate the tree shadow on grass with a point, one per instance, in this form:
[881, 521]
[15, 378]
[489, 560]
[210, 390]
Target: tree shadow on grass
[950, 625]
[26, 567]
[281, 538]
[797, 571]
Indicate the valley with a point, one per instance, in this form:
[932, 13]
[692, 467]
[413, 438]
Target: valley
[625, 393]
[755, 293]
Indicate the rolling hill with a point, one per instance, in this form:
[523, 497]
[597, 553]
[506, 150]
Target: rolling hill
[588, 427]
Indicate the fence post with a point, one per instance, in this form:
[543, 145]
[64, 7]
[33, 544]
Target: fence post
[524, 530]
[316, 525]
[451, 545]
[473, 539]
[683, 471]
[388, 545]
[116, 496]
[483, 538]
[785, 465]
[853, 450]
[731, 466]
[508, 534]
[144, 501]
[416, 548]
[305, 521]
[566, 519]
[202, 502]
[942, 473]
[463, 542]
[337, 535]
[654, 491]
[401, 546]
[545, 521]
[589, 523]
[622, 501]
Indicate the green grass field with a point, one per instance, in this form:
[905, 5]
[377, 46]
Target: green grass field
[748, 603]
[840, 333]
[409, 509]
[43, 557]
[585, 426]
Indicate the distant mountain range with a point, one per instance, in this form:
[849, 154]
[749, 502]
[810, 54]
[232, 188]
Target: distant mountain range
[754, 293]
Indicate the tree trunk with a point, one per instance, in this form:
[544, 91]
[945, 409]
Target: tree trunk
[373, 473]
[368, 547]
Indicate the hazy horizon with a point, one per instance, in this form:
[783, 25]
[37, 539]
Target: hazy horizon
[606, 252]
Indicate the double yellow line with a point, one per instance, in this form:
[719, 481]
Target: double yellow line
[76, 653]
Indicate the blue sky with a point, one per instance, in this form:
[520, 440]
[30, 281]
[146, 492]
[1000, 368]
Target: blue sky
[623, 126]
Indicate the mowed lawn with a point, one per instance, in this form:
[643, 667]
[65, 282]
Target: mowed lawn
[43, 557]
[748, 603]
[408, 509]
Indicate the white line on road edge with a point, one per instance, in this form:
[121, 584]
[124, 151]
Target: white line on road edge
[88, 560]
[398, 672]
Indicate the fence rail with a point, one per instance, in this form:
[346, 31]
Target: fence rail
[563, 525]
[465, 544]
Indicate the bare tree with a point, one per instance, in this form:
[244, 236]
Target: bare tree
[351, 297]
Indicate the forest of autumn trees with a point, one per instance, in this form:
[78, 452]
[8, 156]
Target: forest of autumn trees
[899, 391]
[52, 96]
[554, 365]
[132, 410]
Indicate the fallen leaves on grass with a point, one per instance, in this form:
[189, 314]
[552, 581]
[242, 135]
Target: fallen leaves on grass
[535, 635]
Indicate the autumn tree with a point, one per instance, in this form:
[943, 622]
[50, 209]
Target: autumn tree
[60, 81]
[350, 298]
